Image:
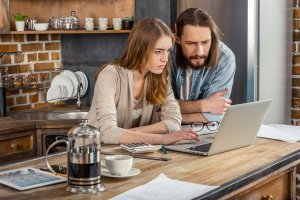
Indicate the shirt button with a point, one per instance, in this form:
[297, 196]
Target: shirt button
[195, 78]
[193, 93]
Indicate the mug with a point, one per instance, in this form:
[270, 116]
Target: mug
[89, 24]
[119, 165]
[103, 24]
[117, 23]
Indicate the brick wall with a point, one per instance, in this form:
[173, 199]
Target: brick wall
[28, 75]
[296, 65]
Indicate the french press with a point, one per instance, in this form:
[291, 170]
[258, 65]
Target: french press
[84, 165]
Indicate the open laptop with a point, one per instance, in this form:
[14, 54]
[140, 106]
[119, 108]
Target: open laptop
[238, 128]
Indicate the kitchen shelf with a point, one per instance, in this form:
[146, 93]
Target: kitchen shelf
[69, 32]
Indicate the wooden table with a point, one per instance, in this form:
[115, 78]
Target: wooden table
[267, 167]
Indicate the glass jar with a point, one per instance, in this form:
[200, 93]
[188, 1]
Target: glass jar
[17, 82]
[75, 19]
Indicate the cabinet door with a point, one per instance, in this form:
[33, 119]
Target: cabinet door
[4, 16]
[280, 187]
[17, 146]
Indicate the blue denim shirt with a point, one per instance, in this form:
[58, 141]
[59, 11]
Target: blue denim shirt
[207, 81]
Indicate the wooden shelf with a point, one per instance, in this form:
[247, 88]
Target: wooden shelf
[68, 32]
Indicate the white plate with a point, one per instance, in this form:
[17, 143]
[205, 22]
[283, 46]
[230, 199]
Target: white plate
[66, 81]
[53, 94]
[132, 172]
[86, 83]
[84, 79]
[74, 80]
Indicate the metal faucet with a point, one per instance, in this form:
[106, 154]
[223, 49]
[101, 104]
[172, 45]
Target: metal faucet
[78, 102]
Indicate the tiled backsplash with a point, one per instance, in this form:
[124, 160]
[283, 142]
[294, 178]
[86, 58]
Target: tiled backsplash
[40, 54]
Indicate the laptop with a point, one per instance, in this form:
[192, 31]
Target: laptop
[238, 128]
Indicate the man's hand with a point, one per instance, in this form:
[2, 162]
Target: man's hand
[217, 104]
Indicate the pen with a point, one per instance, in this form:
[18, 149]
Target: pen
[164, 149]
[150, 157]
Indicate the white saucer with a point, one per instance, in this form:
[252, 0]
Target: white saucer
[132, 172]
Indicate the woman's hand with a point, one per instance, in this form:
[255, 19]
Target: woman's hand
[185, 134]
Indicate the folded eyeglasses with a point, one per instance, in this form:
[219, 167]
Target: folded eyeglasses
[211, 126]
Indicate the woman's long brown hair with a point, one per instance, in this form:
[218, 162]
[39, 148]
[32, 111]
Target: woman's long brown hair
[140, 45]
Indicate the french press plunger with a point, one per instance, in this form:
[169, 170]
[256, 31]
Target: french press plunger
[84, 166]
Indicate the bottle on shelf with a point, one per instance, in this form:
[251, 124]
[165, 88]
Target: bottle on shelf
[75, 19]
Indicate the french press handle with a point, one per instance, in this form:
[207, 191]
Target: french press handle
[50, 147]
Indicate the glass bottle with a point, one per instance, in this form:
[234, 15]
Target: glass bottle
[76, 20]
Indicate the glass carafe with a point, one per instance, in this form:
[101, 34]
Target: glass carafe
[84, 165]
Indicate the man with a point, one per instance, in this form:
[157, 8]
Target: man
[203, 70]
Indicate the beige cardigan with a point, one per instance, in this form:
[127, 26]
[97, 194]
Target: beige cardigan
[112, 105]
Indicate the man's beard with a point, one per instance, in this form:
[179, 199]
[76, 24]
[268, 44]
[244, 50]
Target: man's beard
[198, 65]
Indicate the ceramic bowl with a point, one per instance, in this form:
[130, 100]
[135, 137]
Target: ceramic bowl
[41, 26]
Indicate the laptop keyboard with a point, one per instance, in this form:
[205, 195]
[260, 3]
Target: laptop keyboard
[201, 148]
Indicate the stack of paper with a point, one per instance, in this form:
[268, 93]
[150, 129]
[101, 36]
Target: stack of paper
[282, 132]
[162, 188]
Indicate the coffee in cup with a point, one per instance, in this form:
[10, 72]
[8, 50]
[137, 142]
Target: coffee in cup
[119, 165]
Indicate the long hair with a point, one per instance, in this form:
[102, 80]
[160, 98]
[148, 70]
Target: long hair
[198, 17]
[140, 45]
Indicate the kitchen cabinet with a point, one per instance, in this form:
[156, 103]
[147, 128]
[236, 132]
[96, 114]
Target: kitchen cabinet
[4, 16]
[17, 140]
[281, 186]
[42, 135]
[44, 10]
[54, 129]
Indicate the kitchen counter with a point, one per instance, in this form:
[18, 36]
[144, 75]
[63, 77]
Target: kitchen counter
[267, 167]
[23, 134]
[8, 125]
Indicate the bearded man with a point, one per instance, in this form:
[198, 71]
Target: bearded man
[202, 69]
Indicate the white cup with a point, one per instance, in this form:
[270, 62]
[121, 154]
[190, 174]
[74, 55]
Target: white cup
[117, 23]
[103, 24]
[89, 24]
[119, 165]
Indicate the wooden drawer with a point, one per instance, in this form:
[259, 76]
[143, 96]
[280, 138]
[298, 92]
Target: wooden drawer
[279, 187]
[17, 145]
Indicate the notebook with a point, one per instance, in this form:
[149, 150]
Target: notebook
[238, 128]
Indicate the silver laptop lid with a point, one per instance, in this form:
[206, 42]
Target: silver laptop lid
[240, 126]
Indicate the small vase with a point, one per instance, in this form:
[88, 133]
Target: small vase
[127, 25]
[20, 25]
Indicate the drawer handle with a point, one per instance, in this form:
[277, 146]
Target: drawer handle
[269, 197]
[14, 147]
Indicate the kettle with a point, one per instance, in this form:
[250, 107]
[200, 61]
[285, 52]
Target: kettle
[30, 23]
[84, 165]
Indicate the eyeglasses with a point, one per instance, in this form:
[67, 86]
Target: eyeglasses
[211, 126]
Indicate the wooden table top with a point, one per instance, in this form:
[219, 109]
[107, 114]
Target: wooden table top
[213, 170]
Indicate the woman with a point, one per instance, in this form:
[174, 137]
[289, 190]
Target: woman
[129, 91]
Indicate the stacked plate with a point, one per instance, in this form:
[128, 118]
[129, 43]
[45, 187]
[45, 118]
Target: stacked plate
[65, 86]
[84, 82]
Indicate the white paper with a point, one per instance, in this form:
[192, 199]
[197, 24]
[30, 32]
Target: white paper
[162, 188]
[282, 132]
